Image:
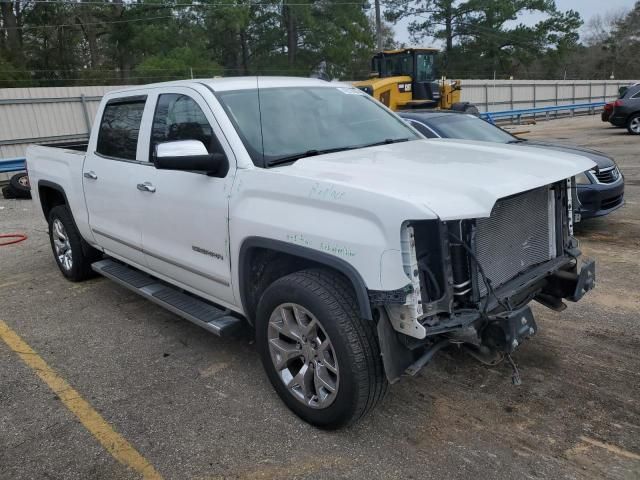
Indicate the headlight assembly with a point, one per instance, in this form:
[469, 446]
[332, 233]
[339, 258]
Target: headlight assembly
[582, 179]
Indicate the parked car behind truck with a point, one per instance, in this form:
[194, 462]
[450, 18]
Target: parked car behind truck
[598, 191]
[308, 211]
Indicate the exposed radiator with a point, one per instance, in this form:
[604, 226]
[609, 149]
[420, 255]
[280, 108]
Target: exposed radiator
[519, 234]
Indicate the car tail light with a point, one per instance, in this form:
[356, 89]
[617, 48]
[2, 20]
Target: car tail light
[617, 103]
[608, 107]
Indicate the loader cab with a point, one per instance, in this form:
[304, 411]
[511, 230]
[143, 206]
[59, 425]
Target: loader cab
[417, 63]
[404, 78]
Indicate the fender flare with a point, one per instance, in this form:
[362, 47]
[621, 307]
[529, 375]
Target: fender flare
[322, 258]
[58, 188]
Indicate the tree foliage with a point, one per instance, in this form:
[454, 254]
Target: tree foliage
[484, 36]
[67, 42]
[134, 41]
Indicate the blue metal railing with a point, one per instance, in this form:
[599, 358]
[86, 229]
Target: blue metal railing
[12, 164]
[518, 114]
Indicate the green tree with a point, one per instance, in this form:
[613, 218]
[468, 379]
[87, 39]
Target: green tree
[181, 62]
[482, 36]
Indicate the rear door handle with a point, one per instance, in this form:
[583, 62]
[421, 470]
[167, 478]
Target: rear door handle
[91, 175]
[146, 187]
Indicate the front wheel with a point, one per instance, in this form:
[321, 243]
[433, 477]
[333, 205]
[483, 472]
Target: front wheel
[322, 359]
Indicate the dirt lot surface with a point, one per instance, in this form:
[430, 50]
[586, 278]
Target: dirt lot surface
[197, 406]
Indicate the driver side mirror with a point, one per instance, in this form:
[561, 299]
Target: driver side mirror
[190, 156]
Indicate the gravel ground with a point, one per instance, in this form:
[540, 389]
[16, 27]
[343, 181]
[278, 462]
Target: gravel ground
[197, 406]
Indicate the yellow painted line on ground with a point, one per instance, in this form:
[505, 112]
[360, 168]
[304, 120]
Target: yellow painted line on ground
[112, 441]
[611, 448]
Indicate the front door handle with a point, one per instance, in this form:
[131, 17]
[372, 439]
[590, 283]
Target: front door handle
[146, 187]
[91, 175]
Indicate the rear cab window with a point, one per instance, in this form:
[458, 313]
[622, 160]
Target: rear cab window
[120, 127]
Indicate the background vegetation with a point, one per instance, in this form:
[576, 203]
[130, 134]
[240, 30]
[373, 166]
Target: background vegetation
[70, 42]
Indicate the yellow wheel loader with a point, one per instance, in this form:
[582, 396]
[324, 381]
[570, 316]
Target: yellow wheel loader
[406, 79]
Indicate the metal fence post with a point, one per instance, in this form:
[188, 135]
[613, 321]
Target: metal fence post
[511, 99]
[486, 97]
[534, 99]
[86, 113]
[556, 98]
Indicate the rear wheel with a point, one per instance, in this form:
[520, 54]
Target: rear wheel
[72, 254]
[322, 359]
[633, 124]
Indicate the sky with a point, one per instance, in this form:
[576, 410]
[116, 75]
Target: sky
[586, 9]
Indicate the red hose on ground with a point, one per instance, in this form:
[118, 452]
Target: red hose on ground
[17, 238]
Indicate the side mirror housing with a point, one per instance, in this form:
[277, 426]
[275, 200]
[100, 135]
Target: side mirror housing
[191, 156]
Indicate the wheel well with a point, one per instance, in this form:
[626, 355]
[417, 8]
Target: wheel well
[261, 266]
[50, 197]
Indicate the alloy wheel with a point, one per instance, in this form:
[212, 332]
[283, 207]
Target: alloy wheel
[61, 245]
[303, 355]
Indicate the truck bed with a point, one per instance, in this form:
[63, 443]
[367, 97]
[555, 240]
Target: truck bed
[59, 167]
[78, 145]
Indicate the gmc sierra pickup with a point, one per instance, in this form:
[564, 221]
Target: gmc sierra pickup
[353, 246]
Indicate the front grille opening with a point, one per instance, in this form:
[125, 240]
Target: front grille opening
[611, 202]
[609, 175]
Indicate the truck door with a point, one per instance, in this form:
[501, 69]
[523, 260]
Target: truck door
[112, 169]
[185, 224]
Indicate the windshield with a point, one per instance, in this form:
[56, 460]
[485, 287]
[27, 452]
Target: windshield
[281, 123]
[398, 64]
[469, 127]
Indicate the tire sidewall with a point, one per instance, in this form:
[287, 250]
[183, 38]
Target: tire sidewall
[19, 190]
[63, 214]
[631, 118]
[344, 405]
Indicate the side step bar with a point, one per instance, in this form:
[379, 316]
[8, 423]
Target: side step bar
[187, 306]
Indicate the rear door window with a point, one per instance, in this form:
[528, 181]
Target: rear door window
[120, 127]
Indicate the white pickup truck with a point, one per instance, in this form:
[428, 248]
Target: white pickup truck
[353, 246]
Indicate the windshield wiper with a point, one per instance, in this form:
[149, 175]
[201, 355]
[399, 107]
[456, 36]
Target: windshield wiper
[387, 141]
[516, 140]
[308, 153]
[313, 153]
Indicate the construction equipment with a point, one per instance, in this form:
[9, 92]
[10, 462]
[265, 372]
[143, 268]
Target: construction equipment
[406, 79]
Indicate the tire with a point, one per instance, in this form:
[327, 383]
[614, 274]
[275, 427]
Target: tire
[466, 107]
[472, 110]
[20, 186]
[633, 124]
[359, 379]
[7, 192]
[72, 254]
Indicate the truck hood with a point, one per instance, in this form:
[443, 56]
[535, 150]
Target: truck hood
[454, 179]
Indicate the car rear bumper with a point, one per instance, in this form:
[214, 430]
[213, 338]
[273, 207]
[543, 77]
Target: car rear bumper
[600, 199]
[617, 121]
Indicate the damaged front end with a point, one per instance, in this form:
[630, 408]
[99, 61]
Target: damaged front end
[472, 280]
